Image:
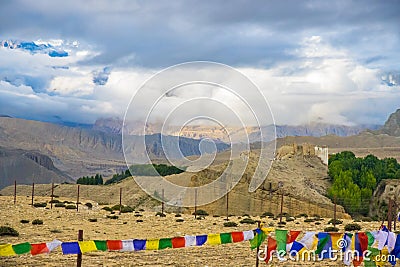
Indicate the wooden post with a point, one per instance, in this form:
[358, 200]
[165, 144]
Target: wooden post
[258, 247]
[389, 216]
[395, 214]
[162, 203]
[195, 203]
[227, 206]
[15, 191]
[79, 257]
[120, 200]
[334, 212]
[280, 215]
[77, 200]
[52, 195]
[33, 192]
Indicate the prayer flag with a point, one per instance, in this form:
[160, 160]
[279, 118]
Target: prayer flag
[152, 244]
[281, 239]
[178, 242]
[114, 244]
[201, 239]
[259, 237]
[6, 250]
[39, 248]
[165, 243]
[237, 237]
[101, 244]
[226, 238]
[214, 239]
[271, 248]
[70, 248]
[127, 245]
[190, 240]
[87, 246]
[139, 244]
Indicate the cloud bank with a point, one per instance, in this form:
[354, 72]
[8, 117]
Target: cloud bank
[313, 60]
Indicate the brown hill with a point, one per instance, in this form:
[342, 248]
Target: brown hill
[78, 151]
[304, 185]
[26, 167]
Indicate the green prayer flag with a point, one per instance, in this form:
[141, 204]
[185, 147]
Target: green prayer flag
[226, 238]
[259, 237]
[165, 243]
[281, 239]
[321, 244]
[371, 239]
[374, 252]
[101, 244]
[22, 248]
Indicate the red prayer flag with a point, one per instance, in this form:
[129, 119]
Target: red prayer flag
[39, 248]
[178, 242]
[237, 236]
[114, 244]
[271, 248]
[292, 235]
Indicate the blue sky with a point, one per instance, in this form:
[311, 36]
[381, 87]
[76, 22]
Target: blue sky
[327, 61]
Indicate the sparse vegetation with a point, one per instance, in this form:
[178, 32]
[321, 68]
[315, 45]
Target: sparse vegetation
[309, 220]
[24, 221]
[331, 229]
[126, 209]
[179, 220]
[89, 205]
[268, 214]
[107, 209]
[54, 201]
[145, 170]
[114, 217]
[160, 214]
[352, 227]
[40, 205]
[59, 205]
[8, 231]
[92, 220]
[247, 221]
[37, 222]
[302, 215]
[55, 231]
[201, 213]
[70, 207]
[93, 180]
[289, 219]
[333, 221]
[230, 224]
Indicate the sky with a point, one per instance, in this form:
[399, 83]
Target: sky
[314, 61]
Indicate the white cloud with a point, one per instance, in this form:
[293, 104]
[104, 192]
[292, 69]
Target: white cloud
[321, 83]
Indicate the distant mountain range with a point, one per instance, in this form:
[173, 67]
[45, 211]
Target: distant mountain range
[75, 151]
[51, 152]
[114, 125]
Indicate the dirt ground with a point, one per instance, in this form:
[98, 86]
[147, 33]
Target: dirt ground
[63, 224]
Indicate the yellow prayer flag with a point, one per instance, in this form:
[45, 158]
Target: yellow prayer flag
[214, 239]
[152, 244]
[87, 246]
[380, 260]
[314, 243]
[335, 239]
[268, 230]
[6, 250]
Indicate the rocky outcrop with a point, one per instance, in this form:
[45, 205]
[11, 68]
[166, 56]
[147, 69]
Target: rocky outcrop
[392, 125]
[26, 167]
[387, 189]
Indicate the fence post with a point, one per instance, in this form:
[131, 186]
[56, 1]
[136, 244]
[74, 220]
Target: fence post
[33, 192]
[120, 200]
[280, 215]
[195, 203]
[334, 212]
[162, 203]
[77, 200]
[258, 247]
[52, 195]
[227, 206]
[15, 191]
[79, 257]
